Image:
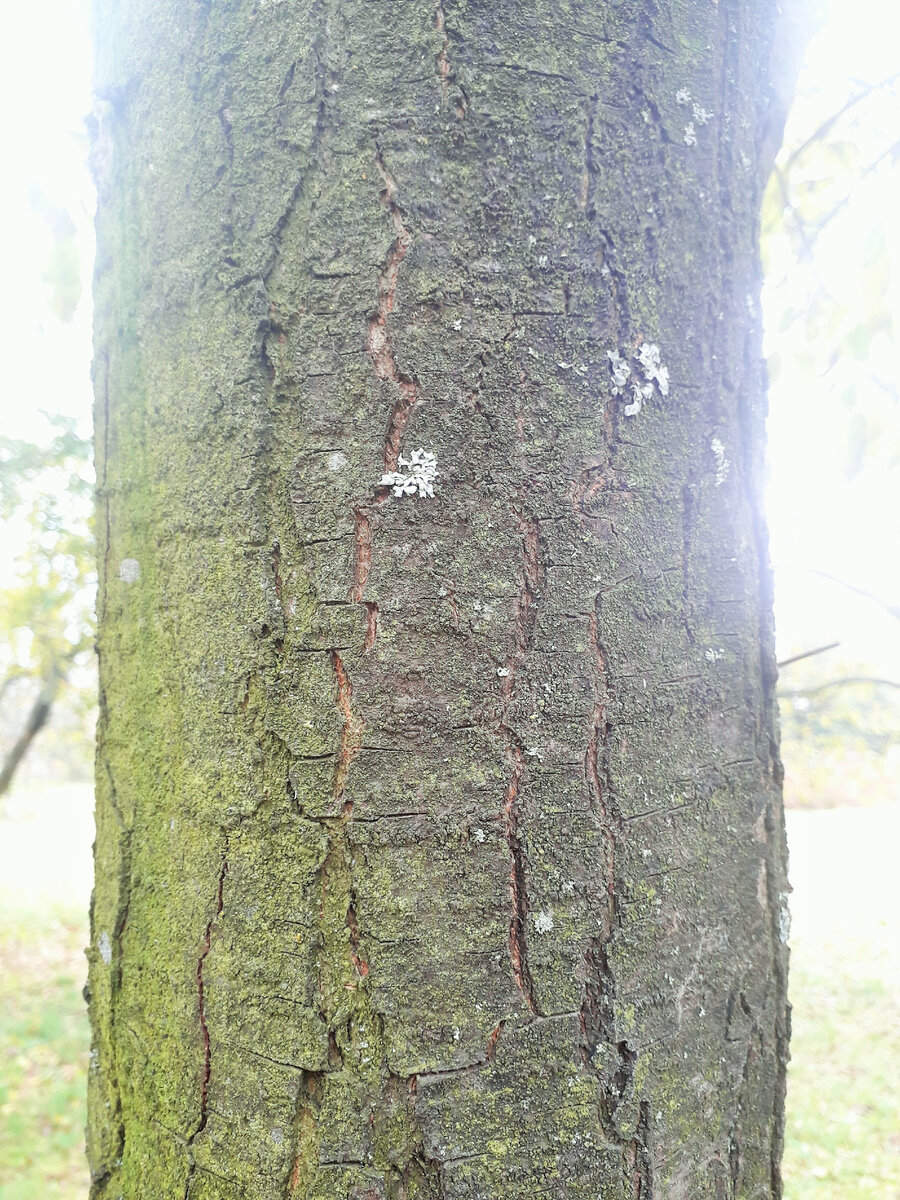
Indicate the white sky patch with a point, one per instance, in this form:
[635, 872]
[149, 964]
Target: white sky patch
[784, 917]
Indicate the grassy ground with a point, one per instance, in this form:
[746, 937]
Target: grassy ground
[843, 1138]
[43, 1048]
[843, 1134]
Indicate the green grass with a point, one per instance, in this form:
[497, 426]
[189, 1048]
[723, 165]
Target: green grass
[843, 1138]
[43, 1056]
[843, 1129]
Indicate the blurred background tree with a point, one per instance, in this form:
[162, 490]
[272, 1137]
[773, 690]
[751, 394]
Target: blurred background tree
[46, 607]
[831, 249]
[47, 677]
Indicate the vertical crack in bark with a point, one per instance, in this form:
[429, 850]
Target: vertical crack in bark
[618, 287]
[589, 170]
[443, 62]
[362, 553]
[123, 905]
[445, 74]
[204, 1028]
[201, 1002]
[518, 928]
[639, 1171]
[523, 630]
[597, 1012]
[283, 606]
[362, 561]
[356, 955]
[594, 759]
[379, 339]
[276, 575]
[371, 625]
[306, 1113]
[351, 733]
[318, 20]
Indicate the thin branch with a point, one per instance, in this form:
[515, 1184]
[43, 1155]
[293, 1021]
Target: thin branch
[35, 722]
[893, 609]
[801, 230]
[786, 662]
[846, 681]
[830, 122]
[816, 229]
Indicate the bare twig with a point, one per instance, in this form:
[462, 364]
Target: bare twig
[36, 720]
[893, 609]
[816, 229]
[866, 90]
[786, 662]
[846, 681]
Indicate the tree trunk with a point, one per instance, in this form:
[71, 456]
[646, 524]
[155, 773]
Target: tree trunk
[439, 838]
[37, 718]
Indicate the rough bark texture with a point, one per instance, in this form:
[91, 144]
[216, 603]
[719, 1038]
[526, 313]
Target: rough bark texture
[439, 847]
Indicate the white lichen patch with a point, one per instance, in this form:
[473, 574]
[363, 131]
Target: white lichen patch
[723, 466]
[105, 947]
[682, 96]
[690, 134]
[336, 460]
[655, 376]
[129, 570]
[648, 356]
[543, 921]
[701, 115]
[478, 835]
[713, 654]
[620, 371]
[639, 393]
[418, 479]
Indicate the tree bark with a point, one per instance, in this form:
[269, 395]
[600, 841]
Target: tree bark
[439, 848]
